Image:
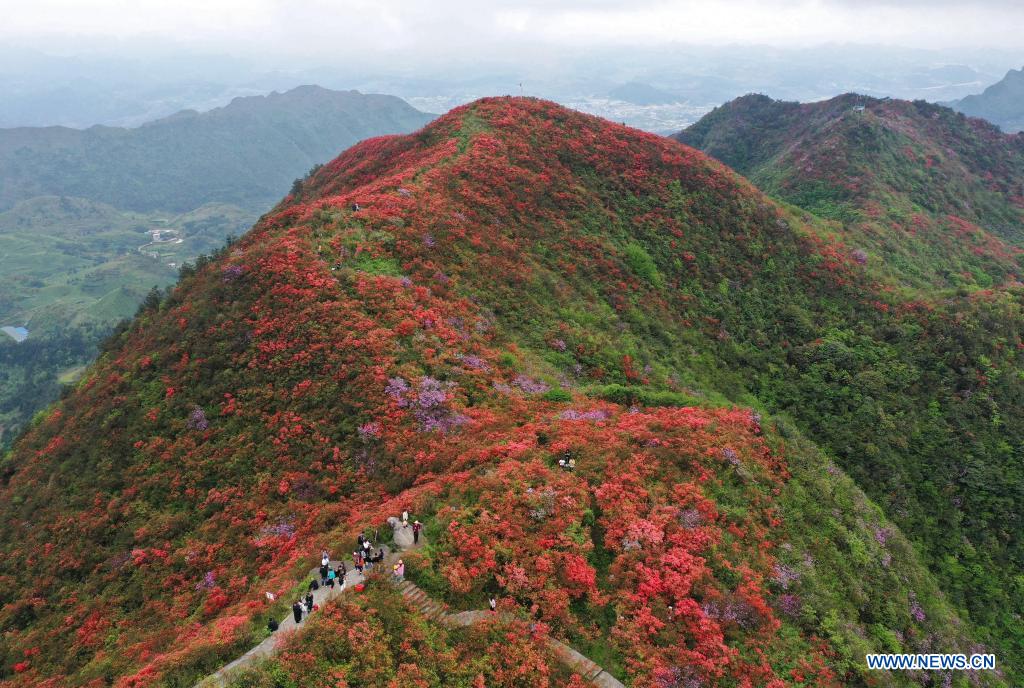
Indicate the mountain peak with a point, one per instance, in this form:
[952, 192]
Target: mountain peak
[541, 334]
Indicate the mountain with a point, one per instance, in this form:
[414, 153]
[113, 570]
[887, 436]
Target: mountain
[1002, 103]
[429, 323]
[91, 220]
[924, 193]
[242, 154]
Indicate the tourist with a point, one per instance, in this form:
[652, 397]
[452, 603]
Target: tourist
[493, 603]
[357, 557]
[331, 575]
[405, 519]
[398, 570]
[380, 556]
[297, 611]
[325, 558]
[416, 528]
[360, 539]
[572, 464]
[309, 601]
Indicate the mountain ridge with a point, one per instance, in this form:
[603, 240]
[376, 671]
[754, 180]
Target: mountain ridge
[224, 160]
[908, 181]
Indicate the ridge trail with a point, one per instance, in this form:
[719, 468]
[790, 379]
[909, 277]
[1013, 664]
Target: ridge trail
[432, 609]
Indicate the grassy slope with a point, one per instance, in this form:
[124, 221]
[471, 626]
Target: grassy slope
[515, 264]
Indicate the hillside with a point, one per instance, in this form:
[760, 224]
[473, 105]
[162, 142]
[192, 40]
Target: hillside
[243, 153]
[521, 283]
[79, 208]
[1002, 103]
[927, 196]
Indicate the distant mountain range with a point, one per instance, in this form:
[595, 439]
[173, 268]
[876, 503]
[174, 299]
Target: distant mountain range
[244, 153]
[1001, 103]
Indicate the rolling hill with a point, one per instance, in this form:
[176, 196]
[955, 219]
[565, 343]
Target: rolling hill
[429, 323]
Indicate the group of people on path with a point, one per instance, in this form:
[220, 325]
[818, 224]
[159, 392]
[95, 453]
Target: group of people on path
[363, 559]
[416, 527]
[300, 608]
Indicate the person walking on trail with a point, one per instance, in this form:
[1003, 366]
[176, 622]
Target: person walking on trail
[331, 575]
[398, 571]
[493, 604]
[416, 528]
[297, 611]
[357, 559]
[367, 546]
[309, 601]
[405, 519]
[325, 558]
[360, 539]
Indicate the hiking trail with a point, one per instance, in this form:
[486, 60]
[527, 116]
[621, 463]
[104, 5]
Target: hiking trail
[432, 609]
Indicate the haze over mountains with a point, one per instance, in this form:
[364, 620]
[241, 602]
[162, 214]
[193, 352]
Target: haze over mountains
[129, 84]
[92, 219]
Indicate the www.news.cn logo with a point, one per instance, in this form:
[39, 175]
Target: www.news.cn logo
[932, 662]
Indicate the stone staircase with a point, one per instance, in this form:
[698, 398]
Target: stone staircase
[576, 661]
[435, 611]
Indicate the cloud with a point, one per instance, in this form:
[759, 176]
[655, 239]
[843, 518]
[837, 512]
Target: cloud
[364, 27]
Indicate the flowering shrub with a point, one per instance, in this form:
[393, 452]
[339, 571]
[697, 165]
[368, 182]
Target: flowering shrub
[394, 381]
[197, 419]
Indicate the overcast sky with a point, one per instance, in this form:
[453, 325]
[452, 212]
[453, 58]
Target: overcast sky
[349, 27]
